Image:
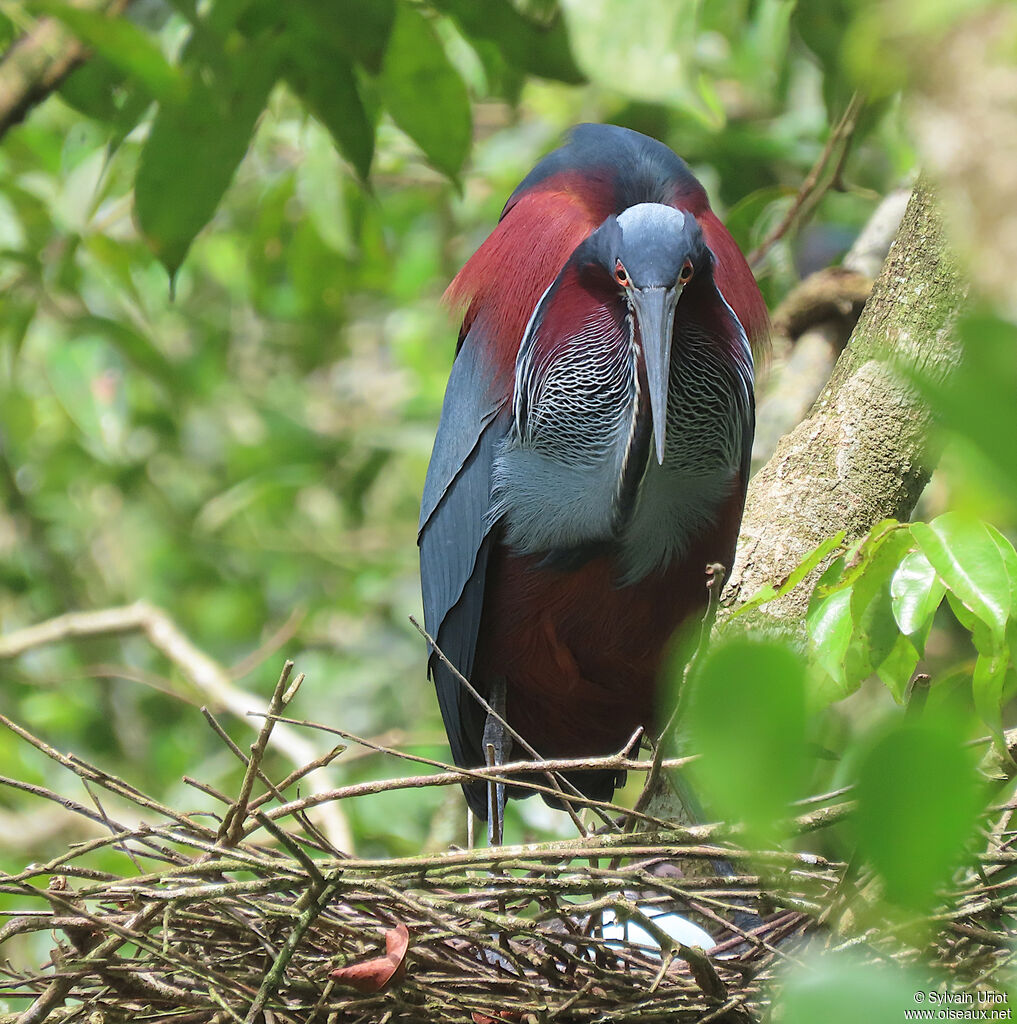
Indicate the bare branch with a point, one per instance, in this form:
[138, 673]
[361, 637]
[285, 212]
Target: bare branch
[40, 60]
[204, 673]
[814, 186]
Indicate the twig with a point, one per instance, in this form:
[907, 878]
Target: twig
[232, 826]
[557, 782]
[39, 61]
[274, 975]
[58, 991]
[114, 829]
[281, 636]
[203, 672]
[299, 773]
[452, 775]
[107, 781]
[813, 187]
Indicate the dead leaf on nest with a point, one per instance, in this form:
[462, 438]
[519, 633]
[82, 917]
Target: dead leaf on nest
[376, 974]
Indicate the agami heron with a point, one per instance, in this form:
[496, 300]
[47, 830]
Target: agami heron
[592, 453]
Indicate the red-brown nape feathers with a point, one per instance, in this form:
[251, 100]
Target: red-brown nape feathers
[736, 283]
[731, 271]
[505, 278]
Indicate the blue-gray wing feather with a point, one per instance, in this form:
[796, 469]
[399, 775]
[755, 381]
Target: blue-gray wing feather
[454, 538]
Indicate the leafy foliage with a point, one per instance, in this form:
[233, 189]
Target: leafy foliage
[872, 614]
[248, 453]
[211, 98]
[918, 803]
[843, 989]
[875, 605]
[746, 719]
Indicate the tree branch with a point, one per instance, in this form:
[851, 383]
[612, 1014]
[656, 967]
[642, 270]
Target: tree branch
[814, 187]
[40, 60]
[864, 452]
[812, 325]
[206, 674]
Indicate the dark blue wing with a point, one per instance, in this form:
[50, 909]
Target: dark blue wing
[454, 537]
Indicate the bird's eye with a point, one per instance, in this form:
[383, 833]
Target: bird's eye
[686, 272]
[620, 273]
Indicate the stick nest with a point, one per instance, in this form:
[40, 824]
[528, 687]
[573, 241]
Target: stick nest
[254, 915]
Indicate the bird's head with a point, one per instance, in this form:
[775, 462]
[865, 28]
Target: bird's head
[650, 252]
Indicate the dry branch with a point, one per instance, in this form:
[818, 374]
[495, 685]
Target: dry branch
[40, 60]
[817, 182]
[220, 928]
[204, 673]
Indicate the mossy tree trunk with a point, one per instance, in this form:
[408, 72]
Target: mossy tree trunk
[866, 450]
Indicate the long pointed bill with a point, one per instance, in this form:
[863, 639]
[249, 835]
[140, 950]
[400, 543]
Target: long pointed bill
[655, 315]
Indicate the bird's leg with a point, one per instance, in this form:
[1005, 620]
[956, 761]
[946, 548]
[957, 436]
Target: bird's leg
[496, 752]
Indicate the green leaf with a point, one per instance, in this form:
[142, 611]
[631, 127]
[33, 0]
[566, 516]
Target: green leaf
[830, 630]
[539, 49]
[124, 45]
[821, 25]
[90, 392]
[193, 150]
[768, 593]
[987, 682]
[424, 93]
[898, 666]
[981, 635]
[327, 84]
[319, 52]
[843, 571]
[917, 592]
[746, 720]
[810, 561]
[371, 21]
[918, 801]
[1009, 556]
[851, 622]
[645, 50]
[746, 213]
[97, 90]
[969, 562]
[18, 315]
[321, 187]
[135, 347]
[875, 627]
[829, 580]
[840, 988]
